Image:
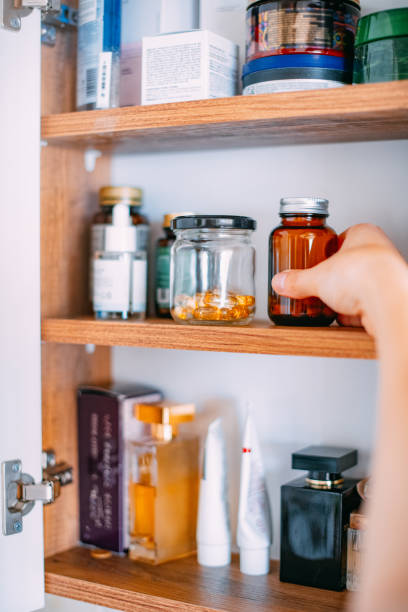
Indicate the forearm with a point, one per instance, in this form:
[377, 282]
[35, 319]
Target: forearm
[386, 562]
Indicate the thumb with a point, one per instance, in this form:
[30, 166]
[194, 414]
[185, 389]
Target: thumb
[294, 283]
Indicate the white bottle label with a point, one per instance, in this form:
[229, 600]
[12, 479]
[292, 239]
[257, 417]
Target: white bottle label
[139, 285]
[111, 285]
[104, 80]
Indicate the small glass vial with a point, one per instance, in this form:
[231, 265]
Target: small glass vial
[355, 549]
[108, 198]
[98, 57]
[212, 270]
[301, 241]
[119, 272]
[163, 485]
[163, 248]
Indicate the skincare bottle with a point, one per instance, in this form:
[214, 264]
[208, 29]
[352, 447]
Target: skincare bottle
[119, 271]
[213, 523]
[254, 531]
[163, 485]
[315, 514]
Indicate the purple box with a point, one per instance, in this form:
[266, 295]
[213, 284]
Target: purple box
[105, 425]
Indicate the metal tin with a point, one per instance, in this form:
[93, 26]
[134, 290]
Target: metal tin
[301, 26]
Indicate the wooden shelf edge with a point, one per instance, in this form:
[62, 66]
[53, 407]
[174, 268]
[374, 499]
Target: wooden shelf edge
[258, 338]
[180, 585]
[372, 111]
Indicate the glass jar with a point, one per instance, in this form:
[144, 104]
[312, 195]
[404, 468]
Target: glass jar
[108, 198]
[163, 247]
[212, 270]
[301, 241]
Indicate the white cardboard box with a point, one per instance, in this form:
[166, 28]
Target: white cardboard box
[148, 18]
[188, 66]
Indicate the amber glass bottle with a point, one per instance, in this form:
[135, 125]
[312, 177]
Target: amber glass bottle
[301, 241]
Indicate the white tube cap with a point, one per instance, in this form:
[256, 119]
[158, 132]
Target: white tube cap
[254, 561]
[214, 556]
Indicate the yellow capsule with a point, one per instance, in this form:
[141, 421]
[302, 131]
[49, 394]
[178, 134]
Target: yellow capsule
[182, 313]
[207, 313]
[245, 300]
[225, 314]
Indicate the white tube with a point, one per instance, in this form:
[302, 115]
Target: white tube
[213, 525]
[254, 532]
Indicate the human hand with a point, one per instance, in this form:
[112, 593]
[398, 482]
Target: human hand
[355, 281]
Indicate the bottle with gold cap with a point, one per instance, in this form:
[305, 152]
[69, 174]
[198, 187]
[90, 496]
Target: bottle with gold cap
[109, 196]
[163, 485]
[163, 247]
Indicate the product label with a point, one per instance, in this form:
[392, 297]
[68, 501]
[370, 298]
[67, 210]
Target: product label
[139, 285]
[104, 80]
[90, 34]
[163, 277]
[111, 285]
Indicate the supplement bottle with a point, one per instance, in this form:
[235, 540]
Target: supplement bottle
[301, 241]
[108, 198]
[163, 247]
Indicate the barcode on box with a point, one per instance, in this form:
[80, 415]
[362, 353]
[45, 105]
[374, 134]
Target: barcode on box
[91, 76]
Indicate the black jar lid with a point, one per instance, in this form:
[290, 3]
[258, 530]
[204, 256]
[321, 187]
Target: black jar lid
[213, 222]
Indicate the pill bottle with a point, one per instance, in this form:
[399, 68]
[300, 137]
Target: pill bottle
[162, 272]
[108, 198]
[301, 241]
[119, 272]
[212, 268]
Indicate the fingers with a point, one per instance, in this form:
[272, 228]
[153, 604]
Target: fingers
[298, 284]
[364, 234]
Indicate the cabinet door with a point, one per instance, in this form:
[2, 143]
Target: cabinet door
[21, 554]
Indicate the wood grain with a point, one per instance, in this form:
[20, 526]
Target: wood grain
[63, 369]
[180, 585]
[68, 201]
[352, 113]
[260, 337]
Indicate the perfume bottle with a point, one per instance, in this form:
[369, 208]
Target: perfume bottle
[315, 514]
[163, 485]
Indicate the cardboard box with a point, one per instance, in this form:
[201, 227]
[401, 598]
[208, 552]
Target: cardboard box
[105, 425]
[226, 18]
[148, 18]
[188, 66]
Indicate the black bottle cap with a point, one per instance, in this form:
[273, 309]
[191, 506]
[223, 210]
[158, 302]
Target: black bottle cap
[330, 459]
[213, 222]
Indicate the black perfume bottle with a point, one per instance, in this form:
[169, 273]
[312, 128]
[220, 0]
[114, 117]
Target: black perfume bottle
[315, 514]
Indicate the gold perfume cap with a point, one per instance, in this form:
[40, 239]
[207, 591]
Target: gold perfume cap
[164, 417]
[110, 195]
[167, 219]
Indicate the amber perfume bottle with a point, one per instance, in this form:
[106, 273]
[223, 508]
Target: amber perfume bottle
[163, 485]
[315, 514]
[301, 241]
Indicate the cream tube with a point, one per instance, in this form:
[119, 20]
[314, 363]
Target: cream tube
[213, 526]
[254, 532]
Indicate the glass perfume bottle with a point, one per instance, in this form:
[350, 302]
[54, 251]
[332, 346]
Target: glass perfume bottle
[163, 485]
[315, 513]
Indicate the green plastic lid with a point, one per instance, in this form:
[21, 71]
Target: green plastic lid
[384, 24]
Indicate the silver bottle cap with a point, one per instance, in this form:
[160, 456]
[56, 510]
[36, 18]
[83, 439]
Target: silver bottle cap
[311, 206]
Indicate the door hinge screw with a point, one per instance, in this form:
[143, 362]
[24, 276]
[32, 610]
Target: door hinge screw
[18, 526]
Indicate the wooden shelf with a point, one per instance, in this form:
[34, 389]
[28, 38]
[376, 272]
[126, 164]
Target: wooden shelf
[353, 113]
[180, 585]
[260, 337]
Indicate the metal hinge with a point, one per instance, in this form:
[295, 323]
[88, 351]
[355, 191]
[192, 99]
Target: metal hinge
[53, 13]
[20, 491]
[58, 16]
